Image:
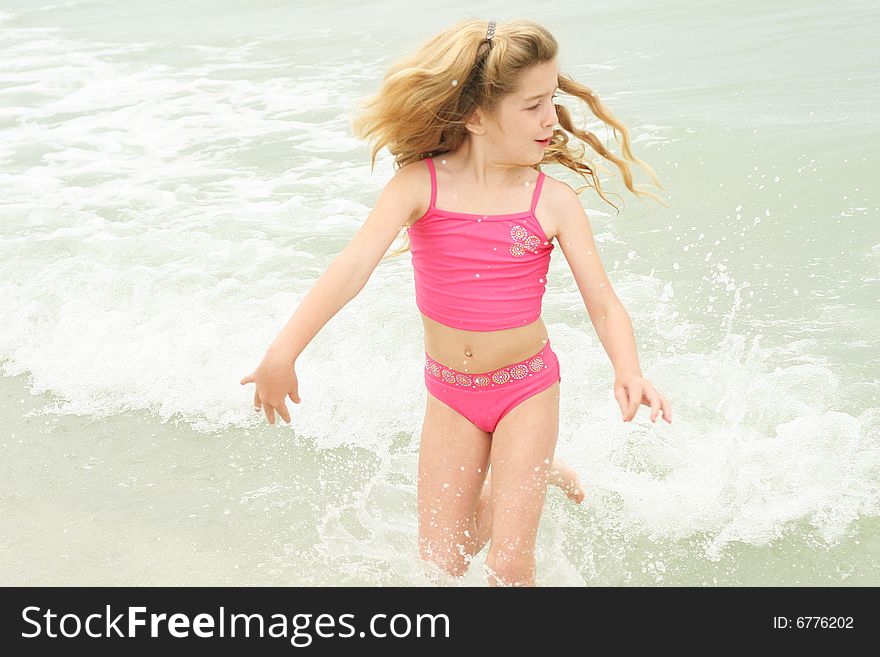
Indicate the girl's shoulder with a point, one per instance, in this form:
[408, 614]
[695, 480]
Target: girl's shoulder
[418, 179]
[556, 192]
[553, 187]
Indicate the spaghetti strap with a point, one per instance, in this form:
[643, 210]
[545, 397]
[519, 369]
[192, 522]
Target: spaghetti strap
[430, 162]
[538, 184]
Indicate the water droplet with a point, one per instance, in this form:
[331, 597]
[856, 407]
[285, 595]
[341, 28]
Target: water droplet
[540, 280]
[446, 485]
[442, 161]
[454, 82]
[477, 275]
[546, 461]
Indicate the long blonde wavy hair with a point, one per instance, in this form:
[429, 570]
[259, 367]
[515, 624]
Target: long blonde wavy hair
[427, 97]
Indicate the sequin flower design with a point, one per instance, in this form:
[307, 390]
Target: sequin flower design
[499, 377]
[522, 242]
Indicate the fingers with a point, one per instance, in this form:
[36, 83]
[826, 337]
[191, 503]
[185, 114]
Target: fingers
[620, 396]
[655, 406]
[279, 408]
[667, 410]
[635, 398]
[270, 408]
[631, 395]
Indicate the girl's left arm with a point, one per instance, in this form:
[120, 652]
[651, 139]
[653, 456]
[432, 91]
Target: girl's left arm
[609, 317]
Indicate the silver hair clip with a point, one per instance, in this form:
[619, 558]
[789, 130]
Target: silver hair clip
[491, 31]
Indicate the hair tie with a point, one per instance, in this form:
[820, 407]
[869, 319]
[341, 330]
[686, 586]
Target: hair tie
[491, 31]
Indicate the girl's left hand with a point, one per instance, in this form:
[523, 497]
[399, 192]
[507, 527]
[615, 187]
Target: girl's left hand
[635, 390]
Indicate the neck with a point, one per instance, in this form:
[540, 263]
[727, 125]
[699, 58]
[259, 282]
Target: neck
[483, 169]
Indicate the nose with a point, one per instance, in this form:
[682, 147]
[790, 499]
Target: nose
[552, 118]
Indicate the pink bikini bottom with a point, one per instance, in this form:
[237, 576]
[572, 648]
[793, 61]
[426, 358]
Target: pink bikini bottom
[487, 397]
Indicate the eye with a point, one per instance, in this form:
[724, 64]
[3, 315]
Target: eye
[539, 104]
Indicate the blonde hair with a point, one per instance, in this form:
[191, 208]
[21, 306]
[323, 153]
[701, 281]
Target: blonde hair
[427, 97]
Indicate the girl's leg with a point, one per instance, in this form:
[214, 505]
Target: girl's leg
[522, 455]
[561, 475]
[453, 459]
[483, 517]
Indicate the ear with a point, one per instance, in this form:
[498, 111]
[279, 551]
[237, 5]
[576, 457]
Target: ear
[476, 124]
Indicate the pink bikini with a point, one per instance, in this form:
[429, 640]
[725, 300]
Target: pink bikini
[483, 272]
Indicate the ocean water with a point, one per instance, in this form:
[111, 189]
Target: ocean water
[176, 177]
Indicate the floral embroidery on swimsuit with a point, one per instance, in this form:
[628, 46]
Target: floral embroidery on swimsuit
[497, 378]
[522, 241]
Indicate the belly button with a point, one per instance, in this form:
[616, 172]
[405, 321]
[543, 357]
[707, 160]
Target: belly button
[467, 352]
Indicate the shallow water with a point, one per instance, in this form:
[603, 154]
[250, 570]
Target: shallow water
[174, 183]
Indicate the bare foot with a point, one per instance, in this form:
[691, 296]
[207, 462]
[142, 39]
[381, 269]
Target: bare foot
[563, 476]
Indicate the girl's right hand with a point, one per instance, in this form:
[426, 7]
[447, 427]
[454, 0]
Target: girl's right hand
[275, 379]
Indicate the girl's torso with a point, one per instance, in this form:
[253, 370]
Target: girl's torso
[482, 351]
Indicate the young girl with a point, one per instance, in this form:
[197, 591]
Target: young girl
[470, 120]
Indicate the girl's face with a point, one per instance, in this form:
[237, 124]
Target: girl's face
[525, 117]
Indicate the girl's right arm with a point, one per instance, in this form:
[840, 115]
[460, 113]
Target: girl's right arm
[343, 279]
